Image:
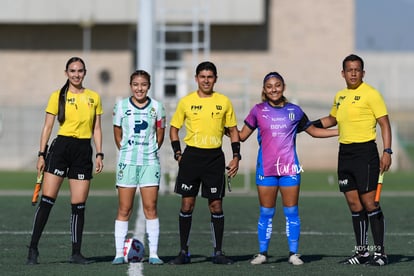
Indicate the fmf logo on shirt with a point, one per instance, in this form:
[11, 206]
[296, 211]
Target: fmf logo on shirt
[196, 107]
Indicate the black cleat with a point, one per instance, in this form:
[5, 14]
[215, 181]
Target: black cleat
[379, 259]
[32, 256]
[182, 258]
[220, 258]
[357, 258]
[79, 259]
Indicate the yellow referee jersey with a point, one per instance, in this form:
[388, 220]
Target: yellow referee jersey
[80, 112]
[204, 118]
[356, 112]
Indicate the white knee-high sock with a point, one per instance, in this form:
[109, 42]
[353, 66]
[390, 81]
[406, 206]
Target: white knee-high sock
[121, 230]
[153, 232]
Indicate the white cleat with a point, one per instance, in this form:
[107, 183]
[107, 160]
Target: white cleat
[258, 259]
[295, 259]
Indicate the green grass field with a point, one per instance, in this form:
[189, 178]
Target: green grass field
[311, 181]
[326, 237]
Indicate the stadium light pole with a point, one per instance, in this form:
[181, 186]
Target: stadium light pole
[86, 25]
[144, 55]
[145, 36]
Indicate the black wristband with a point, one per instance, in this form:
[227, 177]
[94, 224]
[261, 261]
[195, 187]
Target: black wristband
[100, 154]
[317, 123]
[176, 146]
[235, 146]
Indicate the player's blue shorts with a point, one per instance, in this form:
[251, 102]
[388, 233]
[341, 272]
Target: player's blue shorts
[133, 176]
[281, 181]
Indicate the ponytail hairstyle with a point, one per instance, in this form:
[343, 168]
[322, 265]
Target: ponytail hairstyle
[62, 101]
[64, 91]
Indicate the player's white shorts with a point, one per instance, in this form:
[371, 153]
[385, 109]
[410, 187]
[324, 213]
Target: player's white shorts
[132, 176]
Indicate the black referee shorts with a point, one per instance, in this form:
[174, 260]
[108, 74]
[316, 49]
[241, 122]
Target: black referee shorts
[70, 157]
[201, 167]
[358, 167]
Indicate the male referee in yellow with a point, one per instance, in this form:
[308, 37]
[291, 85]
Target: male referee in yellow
[357, 110]
[205, 114]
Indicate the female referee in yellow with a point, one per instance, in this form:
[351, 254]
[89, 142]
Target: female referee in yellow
[78, 111]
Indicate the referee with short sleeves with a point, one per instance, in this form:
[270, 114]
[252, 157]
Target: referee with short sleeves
[204, 114]
[357, 110]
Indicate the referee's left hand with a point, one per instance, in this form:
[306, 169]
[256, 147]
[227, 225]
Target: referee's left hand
[233, 167]
[385, 162]
[99, 165]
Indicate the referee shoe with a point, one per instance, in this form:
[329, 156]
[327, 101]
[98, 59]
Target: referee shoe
[32, 256]
[182, 258]
[220, 258]
[358, 258]
[379, 259]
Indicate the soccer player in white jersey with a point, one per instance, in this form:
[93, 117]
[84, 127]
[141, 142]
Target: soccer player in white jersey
[139, 126]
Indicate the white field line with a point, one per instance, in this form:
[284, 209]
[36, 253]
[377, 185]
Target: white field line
[302, 233]
[136, 269]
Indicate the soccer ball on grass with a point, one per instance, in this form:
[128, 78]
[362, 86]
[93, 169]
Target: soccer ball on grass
[133, 250]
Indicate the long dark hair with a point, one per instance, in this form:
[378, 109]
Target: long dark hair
[64, 91]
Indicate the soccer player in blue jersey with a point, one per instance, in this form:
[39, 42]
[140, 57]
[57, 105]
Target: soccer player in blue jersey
[139, 127]
[278, 122]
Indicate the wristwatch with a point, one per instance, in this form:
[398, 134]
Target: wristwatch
[100, 154]
[388, 150]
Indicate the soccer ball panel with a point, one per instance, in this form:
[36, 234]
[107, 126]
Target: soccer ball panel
[133, 251]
